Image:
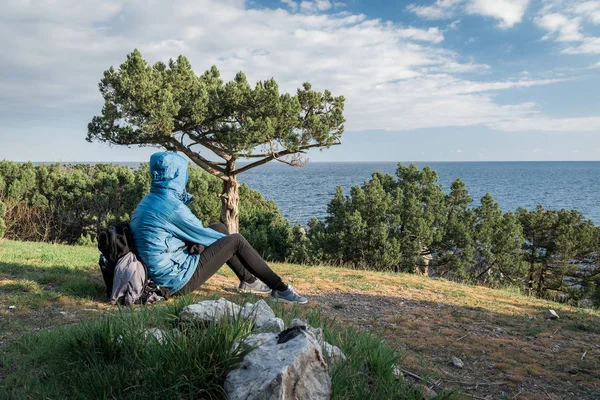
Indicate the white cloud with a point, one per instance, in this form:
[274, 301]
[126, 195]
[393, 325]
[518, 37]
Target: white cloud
[583, 124]
[291, 4]
[394, 77]
[430, 35]
[563, 28]
[590, 45]
[508, 12]
[441, 9]
[315, 5]
[564, 22]
[590, 10]
[454, 25]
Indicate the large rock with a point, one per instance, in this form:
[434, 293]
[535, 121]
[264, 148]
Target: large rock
[334, 353]
[288, 365]
[271, 325]
[262, 316]
[209, 311]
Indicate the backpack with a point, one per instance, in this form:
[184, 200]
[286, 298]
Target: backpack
[124, 274]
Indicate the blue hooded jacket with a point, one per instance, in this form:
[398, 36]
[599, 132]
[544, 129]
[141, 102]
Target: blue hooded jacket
[162, 224]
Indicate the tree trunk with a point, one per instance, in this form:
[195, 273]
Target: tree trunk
[230, 201]
[531, 279]
[541, 288]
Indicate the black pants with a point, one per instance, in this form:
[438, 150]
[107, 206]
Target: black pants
[239, 256]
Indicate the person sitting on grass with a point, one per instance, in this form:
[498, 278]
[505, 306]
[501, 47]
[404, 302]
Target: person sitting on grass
[180, 253]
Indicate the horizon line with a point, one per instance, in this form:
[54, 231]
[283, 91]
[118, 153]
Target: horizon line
[317, 162]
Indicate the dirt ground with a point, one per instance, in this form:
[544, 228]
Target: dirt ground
[509, 352]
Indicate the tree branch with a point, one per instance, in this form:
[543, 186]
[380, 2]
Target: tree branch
[207, 165]
[273, 156]
[208, 144]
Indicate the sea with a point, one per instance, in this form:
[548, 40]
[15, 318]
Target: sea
[301, 193]
[304, 192]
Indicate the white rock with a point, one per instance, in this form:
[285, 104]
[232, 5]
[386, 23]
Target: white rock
[551, 314]
[156, 333]
[12, 308]
[317, 333]
[263, 316]
[556, 348]
[457, 362]
[271, 325]
[257, 339]
[288, 365]
[397, 372]
[209, 311]
[334, 353]
[298, 322]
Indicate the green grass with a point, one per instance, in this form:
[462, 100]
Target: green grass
[110, 357]
[104, 354]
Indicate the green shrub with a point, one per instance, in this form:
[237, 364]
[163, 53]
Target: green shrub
[2, 222]
[70, 203]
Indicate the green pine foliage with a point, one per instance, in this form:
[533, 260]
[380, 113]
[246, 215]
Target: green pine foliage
[70, 203]
[168, 105]
[2, 222]
[555, 241]
[408, 223]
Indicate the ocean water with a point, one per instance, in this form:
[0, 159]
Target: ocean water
[301, 193]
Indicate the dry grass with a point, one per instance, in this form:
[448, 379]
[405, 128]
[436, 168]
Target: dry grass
[508, 348]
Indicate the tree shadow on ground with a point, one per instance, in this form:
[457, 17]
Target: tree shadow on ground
[62, 280]
[518, 355]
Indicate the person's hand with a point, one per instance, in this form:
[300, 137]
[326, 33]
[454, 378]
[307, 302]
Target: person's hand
[195, 248]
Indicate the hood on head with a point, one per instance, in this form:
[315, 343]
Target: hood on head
[169, 171]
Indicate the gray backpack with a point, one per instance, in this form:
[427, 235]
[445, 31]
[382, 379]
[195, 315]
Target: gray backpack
[130, 281]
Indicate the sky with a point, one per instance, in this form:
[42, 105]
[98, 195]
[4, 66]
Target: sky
[430, 80]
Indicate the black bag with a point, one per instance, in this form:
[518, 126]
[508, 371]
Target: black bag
[114, 243]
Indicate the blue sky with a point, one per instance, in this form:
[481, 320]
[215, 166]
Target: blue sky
[431, 80]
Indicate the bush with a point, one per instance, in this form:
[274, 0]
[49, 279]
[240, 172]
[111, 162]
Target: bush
[2, 222]
[70, 203]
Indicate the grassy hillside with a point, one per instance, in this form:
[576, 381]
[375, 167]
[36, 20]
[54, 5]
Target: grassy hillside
[508, 348]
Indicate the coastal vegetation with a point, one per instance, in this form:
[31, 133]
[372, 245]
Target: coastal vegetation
[401, 223]
[170, 106]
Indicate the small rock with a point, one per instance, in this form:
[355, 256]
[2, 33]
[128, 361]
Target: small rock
[12, 308]
[334, 353]
[156, 333]
[555, 348]
[298, 322]
[457, 362]
[427, 393]
[397, 372]
[261, 314]
[551, 314]
[209, 311]
[587, 302]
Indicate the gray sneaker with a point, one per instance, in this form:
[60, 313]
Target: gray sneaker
[289, 296]
[254, 287]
